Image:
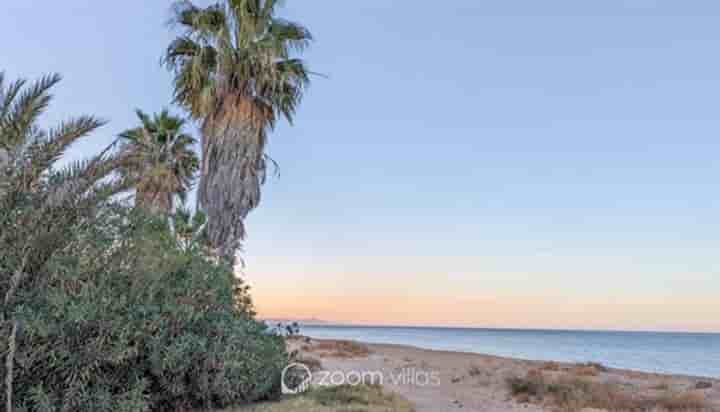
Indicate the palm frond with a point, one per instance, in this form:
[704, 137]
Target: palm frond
[8, 96]
[205, 21]
[37, 202]
[24, 109]
[295, 36]
[46, 151]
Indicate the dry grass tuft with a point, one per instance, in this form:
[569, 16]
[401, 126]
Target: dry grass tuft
[550, 366]
[585, 371]
[660, 386]
[688, 401]
[597, 366]
[360, 398]
[313, 363]
[588, 369]
[474, 371]
[703, 385]
[341, 349]
[570, 393]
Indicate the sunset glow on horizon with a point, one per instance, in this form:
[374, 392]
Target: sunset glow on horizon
[327, 298]
[496, 312]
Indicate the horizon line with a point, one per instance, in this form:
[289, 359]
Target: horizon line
[323, 322]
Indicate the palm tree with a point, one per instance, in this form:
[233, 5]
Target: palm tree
[36, 198]
[161, 159]
[40, 204]
[235, 73]
[28, 152]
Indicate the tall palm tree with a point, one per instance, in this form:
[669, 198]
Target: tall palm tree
[236, 73]
[159, 156]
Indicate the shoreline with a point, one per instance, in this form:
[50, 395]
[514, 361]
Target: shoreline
[329, 324]
[472, 381]
[663, 352]
[536, 361]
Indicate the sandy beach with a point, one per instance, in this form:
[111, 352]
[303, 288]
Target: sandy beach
[438, 381]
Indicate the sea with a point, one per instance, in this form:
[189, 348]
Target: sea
[694, 354]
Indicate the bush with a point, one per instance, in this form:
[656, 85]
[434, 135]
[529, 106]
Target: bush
[570, 393]
[133, 324]
[102, 308]
[357, 398]
[532, 385]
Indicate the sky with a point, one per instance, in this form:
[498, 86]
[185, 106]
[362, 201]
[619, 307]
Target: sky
[486, 163]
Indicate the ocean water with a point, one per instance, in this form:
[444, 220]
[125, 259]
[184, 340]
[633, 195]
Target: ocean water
[696, 354]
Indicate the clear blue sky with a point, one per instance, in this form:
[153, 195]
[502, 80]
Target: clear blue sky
[553, 159]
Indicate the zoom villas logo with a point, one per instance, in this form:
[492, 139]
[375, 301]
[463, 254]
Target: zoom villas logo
[295, 378]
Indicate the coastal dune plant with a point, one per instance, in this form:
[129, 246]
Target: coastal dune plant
[339, 348]
[568, 392]
[101, 309]
[346, 398]
[237, 73]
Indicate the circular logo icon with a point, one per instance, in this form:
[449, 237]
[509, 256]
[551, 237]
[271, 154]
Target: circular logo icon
[295, 378]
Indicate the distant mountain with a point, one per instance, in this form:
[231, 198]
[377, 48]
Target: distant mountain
[300, 321]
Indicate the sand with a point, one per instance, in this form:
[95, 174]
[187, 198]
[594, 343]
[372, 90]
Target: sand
[438, 381]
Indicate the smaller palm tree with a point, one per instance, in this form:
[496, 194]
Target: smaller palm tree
[190, 229]
[40, 204]
[159, 156]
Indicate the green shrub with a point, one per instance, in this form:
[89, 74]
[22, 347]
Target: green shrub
[134, 324]
[102, 309]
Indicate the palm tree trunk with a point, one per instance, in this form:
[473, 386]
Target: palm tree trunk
[233, 169]
[4, 163]
[154, 202]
